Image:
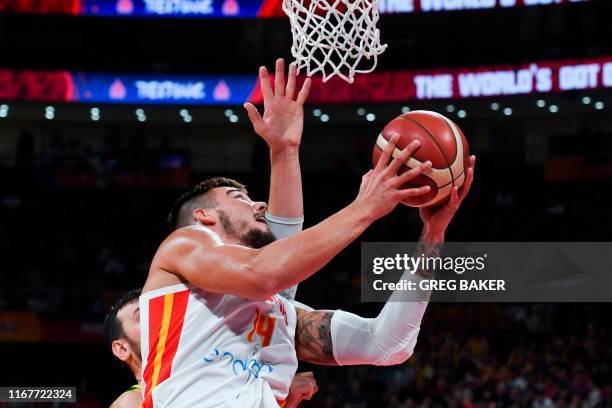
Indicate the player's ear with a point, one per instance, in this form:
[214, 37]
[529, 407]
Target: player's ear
[205, 216]
[121, 349]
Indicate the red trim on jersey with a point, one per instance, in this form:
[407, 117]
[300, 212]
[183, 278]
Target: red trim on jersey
[179, 308]
[174, 329]
[156, 311]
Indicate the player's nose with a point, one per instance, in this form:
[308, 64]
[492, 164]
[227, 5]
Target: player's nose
[260, 207]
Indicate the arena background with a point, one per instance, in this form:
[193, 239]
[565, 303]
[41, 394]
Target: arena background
[85, 192]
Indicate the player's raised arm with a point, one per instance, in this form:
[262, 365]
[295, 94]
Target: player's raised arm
[340, 338]
[221, 264]
[281, 127]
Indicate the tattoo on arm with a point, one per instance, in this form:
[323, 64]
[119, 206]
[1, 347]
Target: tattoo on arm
[313, 341]
[429, 249]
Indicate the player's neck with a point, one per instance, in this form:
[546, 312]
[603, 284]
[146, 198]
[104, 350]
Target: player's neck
[233, 241]
[136, 368]
[229, 239]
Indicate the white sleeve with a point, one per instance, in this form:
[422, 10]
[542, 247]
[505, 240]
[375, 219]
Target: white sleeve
[388, 339]
[282, 227]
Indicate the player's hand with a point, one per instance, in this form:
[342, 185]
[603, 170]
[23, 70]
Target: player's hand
[283, 118]
[381, 188]
[303, 387]
[437, 218]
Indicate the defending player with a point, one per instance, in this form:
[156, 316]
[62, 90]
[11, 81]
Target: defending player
[213, 331]
[122, 335]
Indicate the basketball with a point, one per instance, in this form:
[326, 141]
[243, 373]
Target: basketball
[442, 143]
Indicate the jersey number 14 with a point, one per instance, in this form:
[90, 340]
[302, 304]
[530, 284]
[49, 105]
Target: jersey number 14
[263, 326]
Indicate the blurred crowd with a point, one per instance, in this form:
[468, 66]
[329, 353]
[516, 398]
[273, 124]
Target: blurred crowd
[490, 355]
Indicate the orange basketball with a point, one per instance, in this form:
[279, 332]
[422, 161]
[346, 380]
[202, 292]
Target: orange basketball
[442, 143]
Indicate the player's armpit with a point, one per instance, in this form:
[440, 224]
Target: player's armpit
[313, 341]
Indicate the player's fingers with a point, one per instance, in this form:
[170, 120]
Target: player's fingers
[468, 180]
[308, 395]
[412, 192]
[254, 115]
[303, 94]
[315, 388]
[279, 78]
[365, 182]
[290, 91]
[412, 173]
[403, 157]
[264, 83]
[453, 201]
[465, 189]
[365, 179]
[385, 156]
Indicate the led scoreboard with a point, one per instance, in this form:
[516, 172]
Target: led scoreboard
[377, 87]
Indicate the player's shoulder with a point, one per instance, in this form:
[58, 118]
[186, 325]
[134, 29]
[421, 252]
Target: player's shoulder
[129, 399]
[187, 237]
[172, 256]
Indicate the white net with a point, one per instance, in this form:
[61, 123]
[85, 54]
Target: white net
[332, 37]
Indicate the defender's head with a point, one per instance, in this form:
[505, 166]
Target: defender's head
[223, 205]
[122, 329]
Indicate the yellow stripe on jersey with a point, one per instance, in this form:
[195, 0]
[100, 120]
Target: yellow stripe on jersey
[163, 334]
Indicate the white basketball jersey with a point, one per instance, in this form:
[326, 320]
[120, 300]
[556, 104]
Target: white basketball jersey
[209, 350]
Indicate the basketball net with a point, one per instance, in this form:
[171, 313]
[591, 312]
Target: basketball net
[332, 37]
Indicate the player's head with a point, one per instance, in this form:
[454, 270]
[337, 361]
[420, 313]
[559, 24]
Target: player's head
[122, 329]
[223, 205]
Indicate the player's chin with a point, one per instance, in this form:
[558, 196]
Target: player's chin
[259, 237]
[262, 226]
[259, 224]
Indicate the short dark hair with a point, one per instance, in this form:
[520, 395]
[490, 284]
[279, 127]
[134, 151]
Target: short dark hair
[199, 190]
[113, 329]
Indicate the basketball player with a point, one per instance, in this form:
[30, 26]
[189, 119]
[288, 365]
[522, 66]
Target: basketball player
[122, 334]
[215, 334]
